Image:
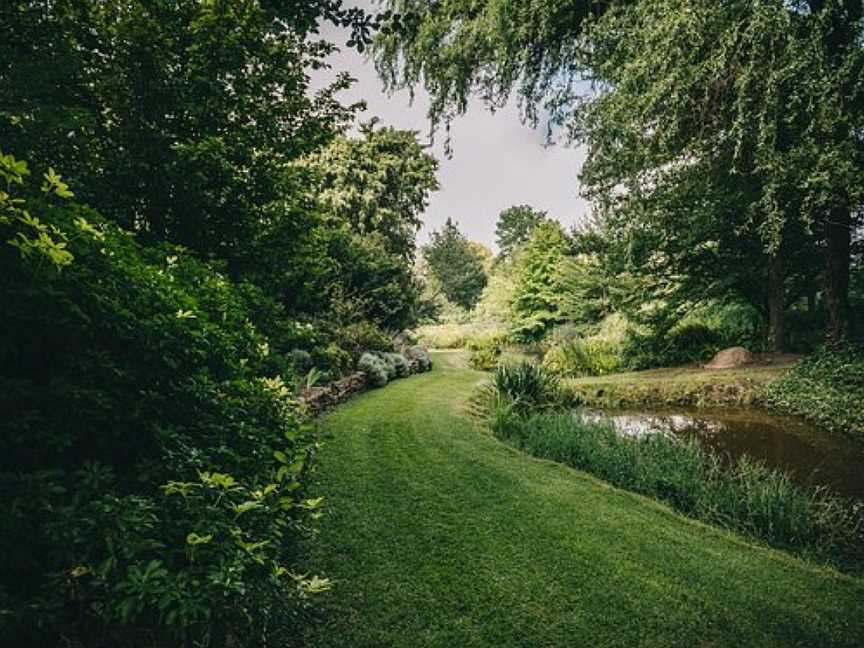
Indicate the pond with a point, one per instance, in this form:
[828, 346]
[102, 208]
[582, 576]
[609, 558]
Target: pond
[810, 455]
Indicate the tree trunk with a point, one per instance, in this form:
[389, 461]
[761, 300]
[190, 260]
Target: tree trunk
[776, 304]
[839, 239]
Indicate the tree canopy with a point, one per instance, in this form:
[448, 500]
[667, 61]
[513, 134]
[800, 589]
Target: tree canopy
[514, 227]
[750, 112]
[456, 264]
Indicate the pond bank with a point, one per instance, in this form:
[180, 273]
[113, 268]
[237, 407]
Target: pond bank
[788, 443]
[693, 386]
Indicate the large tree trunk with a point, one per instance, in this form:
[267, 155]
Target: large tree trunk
[776, 304]
[839, 238]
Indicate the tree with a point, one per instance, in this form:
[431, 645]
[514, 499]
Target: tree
[370, 192]
[175, 119]
[763, 98]
[535, 301]
[515, 225]
[377, 183]
[456, 265]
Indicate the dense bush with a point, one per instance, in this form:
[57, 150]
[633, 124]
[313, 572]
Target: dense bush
[150, 469]
[420, 357]
[375, 368]
[585, 357]
[333, 360]
[444, 336]
[827, 387]
[403, 368]
[364, 336]
[745, 496]
[485, 349]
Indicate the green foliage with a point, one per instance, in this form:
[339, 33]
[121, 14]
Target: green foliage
[420, 357]
[744, 496]
[583, 289]
[585, 357]
[701, 332]
[535, 301]
[485, 349]
[514, 227]
[444, 336]
[376, 369]
[19, 228]
[361, 336]
[170, 503]
[333, 360]
[377, 183]
[176, 120]
[371, 192]
[826, 387]
[524, 387]
[403, 368]
[724, 155]
[457, 266]
[301, 360]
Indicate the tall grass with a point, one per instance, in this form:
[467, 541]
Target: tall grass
[520, 388]
[745, 496]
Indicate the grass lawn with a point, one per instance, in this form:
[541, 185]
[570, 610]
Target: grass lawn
[439, 535]
[677, 385]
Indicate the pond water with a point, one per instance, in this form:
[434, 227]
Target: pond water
[810, 455]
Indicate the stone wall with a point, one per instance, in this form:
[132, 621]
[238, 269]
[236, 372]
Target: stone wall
[320, 399]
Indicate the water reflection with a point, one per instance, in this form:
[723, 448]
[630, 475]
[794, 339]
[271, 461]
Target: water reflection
[810, 455]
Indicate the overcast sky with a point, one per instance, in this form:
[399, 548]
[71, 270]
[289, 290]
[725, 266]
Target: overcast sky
[496, 160]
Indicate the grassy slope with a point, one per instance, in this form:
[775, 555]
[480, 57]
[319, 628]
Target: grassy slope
[678, 385]
[439, 535]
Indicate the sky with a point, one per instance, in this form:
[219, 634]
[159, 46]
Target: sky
[496, 161]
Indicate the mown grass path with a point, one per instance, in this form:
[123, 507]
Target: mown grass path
[438, 535]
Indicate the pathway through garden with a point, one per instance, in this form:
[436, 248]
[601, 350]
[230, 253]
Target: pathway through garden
[436, 534]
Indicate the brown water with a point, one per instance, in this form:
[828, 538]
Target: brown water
[810, 455]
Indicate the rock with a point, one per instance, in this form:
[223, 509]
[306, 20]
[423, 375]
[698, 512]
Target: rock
[730, 358]
[320, 399]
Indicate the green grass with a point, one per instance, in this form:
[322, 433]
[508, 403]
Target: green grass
[437, 534]
[744, 496]
[677, 385]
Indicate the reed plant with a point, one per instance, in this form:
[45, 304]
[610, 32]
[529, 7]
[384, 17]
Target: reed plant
[741, 495]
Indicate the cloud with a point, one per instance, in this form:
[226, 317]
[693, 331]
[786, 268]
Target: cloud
[497, 161]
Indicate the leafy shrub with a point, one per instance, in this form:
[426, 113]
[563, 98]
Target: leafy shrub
[485, 349]
[333, 360]
[827, 388]
[168, 506]
[745, 496]
[692, 343]
[301, 360]
[403, 368]
[585, 357]
[375, 368]
[420, 356]
[444, 336]
[363, 336]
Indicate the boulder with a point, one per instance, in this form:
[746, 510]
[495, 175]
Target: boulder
[730, 358]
